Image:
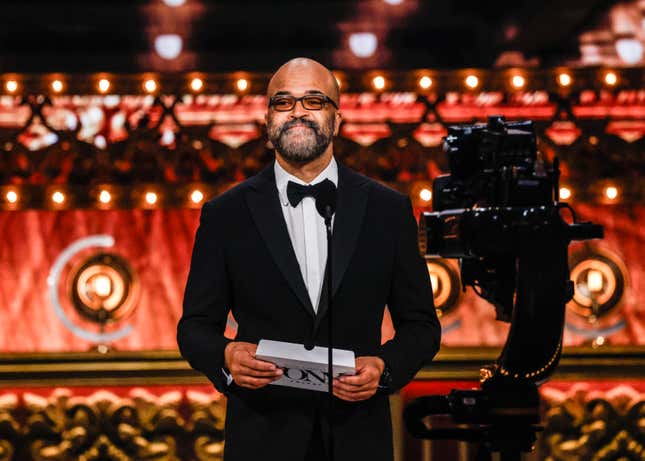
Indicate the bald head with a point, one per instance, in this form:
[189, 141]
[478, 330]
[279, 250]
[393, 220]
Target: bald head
[307, 75]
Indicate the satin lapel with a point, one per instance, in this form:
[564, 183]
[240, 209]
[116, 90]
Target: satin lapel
[264, 203]
[350, 211]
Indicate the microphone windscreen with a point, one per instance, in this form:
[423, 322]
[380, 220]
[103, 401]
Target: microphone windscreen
[326, 197]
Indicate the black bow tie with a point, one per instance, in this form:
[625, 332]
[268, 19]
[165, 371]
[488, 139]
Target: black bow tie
[296, 192]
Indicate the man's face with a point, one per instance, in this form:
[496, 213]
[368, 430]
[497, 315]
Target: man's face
[300, 135]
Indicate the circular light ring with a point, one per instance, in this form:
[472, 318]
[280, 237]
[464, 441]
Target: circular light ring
[119, 303]
[613, 276]
[447, 290]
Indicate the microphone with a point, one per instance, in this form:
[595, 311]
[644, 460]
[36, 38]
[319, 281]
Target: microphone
[326, 199]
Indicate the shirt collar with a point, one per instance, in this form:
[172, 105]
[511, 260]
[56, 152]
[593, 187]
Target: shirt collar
[282, 178]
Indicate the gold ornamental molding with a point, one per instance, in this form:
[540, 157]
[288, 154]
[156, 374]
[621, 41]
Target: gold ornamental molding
[168, 367]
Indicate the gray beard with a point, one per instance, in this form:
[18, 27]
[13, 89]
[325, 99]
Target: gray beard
[302, 146]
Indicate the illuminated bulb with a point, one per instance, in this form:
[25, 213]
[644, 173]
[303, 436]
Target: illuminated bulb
[363, 44]
[102, 285]
[611, 78]
[611, 192]
[472, 81]
[150, 86]
[594, 281]
[197, 84]
[174, 3]
[12, 197]
[104, 85]
[565, 193]
[425, 82]
[105, 196]
[11, 86]
[378, 82]
[58, 197]
[242, 84]
[564, 79]
[518, 81]
[425, 195]
[196, 196]
[434, 282]
[151, 198]
[57, 86]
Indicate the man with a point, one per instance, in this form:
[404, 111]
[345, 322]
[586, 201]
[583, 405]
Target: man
[261, 252]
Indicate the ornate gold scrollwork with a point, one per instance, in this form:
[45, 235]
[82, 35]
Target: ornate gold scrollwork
[583, 424]
[8, 426]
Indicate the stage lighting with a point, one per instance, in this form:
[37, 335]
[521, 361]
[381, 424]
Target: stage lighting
[12, 196]
[363, 44]
[150, 86]
[472, 81]
[425, 82]
[197, 196]
[57, 86]
[104, 85]
[611, 78]
[611, 192]
[58, 197]
[242, 84]
[518, 81]
[564, 79]
[630, 50]
[196, 84]
[11, 86]
[151, 198]
[168, 46]
[445, 284]
[425, 195]
[378, 82]
[565, 193]
[174, 3]
[105, 197]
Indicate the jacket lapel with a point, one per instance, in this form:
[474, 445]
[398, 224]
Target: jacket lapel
[350, 211]
[264, 203]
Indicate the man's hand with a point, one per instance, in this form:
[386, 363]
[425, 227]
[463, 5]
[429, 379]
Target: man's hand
[247, 371]
[364, 383]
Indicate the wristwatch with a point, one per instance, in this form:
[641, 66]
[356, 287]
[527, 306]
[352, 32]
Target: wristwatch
[385, 383]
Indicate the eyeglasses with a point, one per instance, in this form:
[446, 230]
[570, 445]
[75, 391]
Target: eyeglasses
[285, 103]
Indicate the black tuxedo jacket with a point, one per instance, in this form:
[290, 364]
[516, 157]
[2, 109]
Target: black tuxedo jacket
[243, 260]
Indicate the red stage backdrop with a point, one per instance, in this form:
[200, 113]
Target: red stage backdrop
[158, 244]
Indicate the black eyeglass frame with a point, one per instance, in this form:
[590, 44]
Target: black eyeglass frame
[326, 100]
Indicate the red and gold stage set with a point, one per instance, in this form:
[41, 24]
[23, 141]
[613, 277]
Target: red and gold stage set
[102, 178]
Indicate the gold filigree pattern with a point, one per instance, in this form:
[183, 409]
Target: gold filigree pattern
[8, 425]
[207, 422]
[583, 424]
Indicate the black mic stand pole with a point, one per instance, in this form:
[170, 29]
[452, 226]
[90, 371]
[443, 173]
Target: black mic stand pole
[330, 371]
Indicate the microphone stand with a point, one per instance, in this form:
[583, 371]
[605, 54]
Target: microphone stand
[330, 370]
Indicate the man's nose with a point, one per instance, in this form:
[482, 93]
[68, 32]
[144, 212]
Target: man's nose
[299, 110]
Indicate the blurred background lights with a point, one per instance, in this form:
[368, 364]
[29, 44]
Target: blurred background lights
[102, 285]
[611, 192]
[150, 86]
[57, 86]
[378, 82]
[58, 197]
[594, 280]
[425, 82]
[425, 195]
[151, 198]
[363, 44]
[472, 81]
[518, 81]
[105, 196]
[196, 196]
[393, 2]
[196, 84]
[630, 50]
[168, 46]
[11, 86]
[174, 3]
[242, 84]
[564, 79]
[611, 78]
[565, 193]
[12, 197]
[104, 85]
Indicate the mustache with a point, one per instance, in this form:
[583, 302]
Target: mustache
[301, 121]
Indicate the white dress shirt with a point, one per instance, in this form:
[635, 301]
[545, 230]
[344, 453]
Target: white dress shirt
[307, 229]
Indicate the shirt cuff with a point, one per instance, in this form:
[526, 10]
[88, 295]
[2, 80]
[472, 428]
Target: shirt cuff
[228, 376]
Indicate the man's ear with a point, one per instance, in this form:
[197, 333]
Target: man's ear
[337, 121]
